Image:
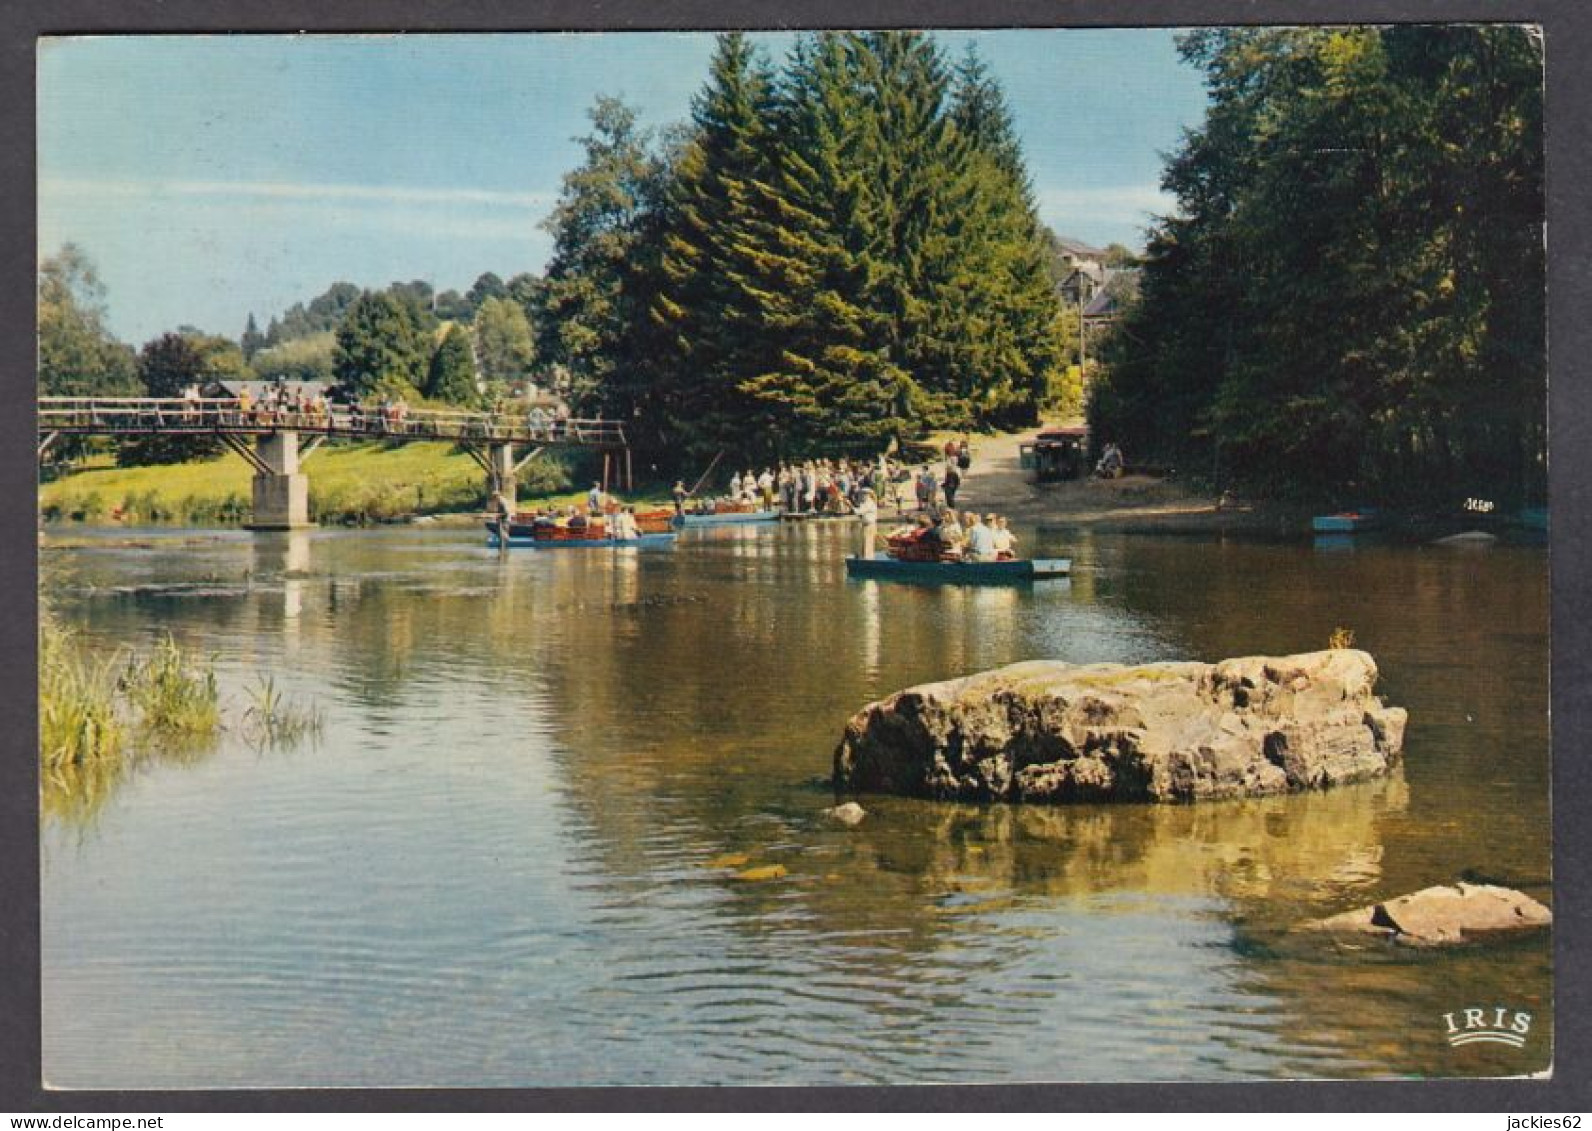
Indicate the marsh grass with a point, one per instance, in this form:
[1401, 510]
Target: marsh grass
[174, 695]
[272, 719]
[79, 722]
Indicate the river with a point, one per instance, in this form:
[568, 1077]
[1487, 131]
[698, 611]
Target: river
[509, 857]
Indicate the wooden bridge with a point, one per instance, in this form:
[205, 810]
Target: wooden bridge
[269, 437]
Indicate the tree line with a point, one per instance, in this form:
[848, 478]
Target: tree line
[1349, 300]
[833, 255]
[393, 342]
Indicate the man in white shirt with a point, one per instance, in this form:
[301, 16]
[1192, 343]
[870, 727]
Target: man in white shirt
[980, 541]
[868, 514]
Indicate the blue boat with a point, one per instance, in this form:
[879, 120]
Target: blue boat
[1345, 522]
[728, 518]
[884, 567]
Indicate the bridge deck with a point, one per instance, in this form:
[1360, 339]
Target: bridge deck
[174, 416]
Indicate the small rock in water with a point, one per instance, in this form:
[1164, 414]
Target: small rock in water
[850, 814]
[766, 872]
[1440, 916]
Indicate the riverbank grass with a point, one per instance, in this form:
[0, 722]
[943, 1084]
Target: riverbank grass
[363, 482]
[78, 718]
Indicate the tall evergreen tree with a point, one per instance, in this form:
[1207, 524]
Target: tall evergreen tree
[831, 381]
[709, 305]
[380, 341]
[452, 373]
[252, 341]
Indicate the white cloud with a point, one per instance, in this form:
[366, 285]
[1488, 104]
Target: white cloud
[295, 191]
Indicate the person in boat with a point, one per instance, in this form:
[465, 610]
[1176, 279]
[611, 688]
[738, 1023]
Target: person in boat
[765, 489]
[1005, 544]
[868, 512]
[680, 495]
[981, 540]
[951, 533]
[624, 526]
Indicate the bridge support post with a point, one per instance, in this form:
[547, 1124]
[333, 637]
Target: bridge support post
[501, 470]
[281, 491]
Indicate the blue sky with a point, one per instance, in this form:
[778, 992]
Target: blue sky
[211, 176]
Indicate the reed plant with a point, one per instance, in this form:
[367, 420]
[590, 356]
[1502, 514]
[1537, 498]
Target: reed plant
[78, 718]
[272, 719]
[173, 694]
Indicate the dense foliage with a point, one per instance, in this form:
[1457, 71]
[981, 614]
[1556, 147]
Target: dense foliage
[837, 255]
[1350, 301]
[166, 367]
[382, 343]
[452, 373]
[78, 356]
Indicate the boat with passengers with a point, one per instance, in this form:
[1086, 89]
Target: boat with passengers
[575, 529]
[915, 556]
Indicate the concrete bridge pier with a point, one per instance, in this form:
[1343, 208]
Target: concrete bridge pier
[281, 490]
[502, 470]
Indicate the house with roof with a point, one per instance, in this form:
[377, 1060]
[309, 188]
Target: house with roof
[1119, 286]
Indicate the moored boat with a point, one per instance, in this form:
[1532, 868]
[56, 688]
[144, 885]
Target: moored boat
[883, 566]
[725, 515]
[1345, 522]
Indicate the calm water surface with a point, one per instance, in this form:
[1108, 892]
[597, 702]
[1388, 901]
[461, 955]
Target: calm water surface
[493, 868]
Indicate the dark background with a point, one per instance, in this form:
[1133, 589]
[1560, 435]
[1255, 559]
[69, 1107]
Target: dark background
[1567, 28]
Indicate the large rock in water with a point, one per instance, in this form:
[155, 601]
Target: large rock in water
[1046, 731]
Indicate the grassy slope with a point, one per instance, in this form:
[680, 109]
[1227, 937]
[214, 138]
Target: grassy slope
[355, 481]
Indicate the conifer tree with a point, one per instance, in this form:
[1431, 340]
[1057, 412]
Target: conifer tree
[712, 271]
[452, 375]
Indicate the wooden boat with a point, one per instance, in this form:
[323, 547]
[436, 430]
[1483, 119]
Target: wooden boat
[544, 536]
[883, 566]
[1345, 522]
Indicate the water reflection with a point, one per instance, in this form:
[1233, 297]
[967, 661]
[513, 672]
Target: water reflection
[529, 758]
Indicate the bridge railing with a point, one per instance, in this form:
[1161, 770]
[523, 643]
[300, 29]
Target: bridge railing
[181, 416]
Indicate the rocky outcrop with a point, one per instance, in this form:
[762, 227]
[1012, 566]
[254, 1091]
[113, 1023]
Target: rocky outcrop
[1442, 916]
[1046, 731]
